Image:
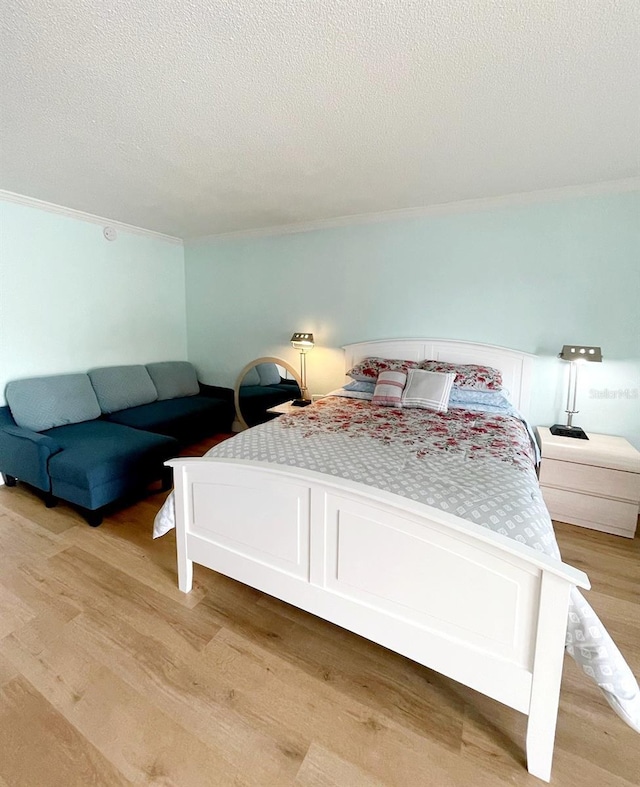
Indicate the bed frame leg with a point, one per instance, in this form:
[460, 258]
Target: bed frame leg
[185, 566]
[547, 676]
[185, 574]
[541, 733]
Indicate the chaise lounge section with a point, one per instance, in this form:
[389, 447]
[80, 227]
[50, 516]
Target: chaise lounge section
[92, 439]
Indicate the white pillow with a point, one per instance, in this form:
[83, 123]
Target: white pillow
[388, 391]
[429, 390]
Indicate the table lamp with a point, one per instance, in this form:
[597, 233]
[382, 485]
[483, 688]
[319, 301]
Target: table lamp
[304, 343]
[576, 355]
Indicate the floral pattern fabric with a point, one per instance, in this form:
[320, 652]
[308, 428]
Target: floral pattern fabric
[468, 375]
[369, 369]
[472, 435]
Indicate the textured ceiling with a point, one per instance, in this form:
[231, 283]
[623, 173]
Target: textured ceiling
[194, 118]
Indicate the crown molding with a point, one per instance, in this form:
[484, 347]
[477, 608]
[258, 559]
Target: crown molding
[50, 207]
[441, 209]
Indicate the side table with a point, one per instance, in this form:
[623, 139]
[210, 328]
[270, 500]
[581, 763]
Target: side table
[593, 483]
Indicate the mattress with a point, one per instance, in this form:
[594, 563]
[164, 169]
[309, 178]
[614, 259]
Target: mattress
[478, 464]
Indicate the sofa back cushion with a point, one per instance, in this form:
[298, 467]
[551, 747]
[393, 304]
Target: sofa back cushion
[120, 387]
[251, 378]
[174, 379]
[269, 374]
[41, 403]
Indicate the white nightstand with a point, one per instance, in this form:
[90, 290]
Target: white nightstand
[593, 483]
[285, 408]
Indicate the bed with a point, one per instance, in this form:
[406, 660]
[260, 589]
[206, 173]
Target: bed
[388, 543]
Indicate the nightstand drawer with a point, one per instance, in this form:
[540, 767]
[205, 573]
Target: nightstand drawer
[610, 516]
[592, 480]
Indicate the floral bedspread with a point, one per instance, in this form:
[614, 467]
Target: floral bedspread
[478, 466]
[472, 434]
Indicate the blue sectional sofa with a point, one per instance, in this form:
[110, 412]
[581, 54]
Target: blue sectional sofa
[261, 388]
[91, 439]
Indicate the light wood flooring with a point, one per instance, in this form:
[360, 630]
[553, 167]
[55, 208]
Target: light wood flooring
[110, 676]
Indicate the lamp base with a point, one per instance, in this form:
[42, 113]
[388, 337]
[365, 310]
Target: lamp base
[562, 430]
[301, 402]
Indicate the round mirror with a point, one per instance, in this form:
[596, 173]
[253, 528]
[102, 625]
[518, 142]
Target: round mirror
[263, 384]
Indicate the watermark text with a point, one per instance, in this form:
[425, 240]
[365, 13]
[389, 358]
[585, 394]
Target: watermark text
[614, 393]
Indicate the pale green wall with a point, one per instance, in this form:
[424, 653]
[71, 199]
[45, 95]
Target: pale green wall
[530, 277]
[71, 300]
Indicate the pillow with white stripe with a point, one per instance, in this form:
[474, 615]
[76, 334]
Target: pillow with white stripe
[429, 390]
[388, 391]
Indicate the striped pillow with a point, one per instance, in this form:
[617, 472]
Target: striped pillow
[429, 390]
[388, 390]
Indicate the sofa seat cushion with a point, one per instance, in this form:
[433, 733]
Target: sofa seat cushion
[41, 403]
[268, 395]
[174, 379]
[176, 417]
[255, 400]
[119, 387]
[98, 452]
[260, 394]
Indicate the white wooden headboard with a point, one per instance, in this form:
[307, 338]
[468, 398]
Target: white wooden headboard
[516, 366]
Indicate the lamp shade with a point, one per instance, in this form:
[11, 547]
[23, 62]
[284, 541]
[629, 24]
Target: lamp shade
[577, 352]
[302, 341]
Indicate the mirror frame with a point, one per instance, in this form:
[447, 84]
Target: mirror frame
[248, 367]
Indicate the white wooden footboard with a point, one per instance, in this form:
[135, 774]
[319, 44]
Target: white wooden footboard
[476, 606]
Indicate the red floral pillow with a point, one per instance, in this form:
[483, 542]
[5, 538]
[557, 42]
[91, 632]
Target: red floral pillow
[468, 375]
[369, 369]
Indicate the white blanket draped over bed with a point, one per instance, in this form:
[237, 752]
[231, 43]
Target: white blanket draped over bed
[476, 465]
